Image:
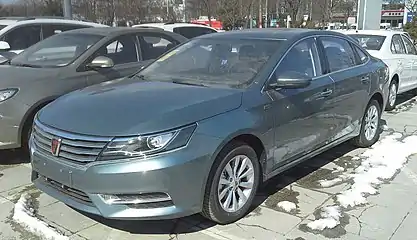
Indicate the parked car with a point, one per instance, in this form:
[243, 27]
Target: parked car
[19, 33]
[188, 30]
[200, 128]
[398, 52]
[69, 61]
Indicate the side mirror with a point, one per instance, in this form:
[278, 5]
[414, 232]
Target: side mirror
[101, 62]
[4, 46]
[291, 80]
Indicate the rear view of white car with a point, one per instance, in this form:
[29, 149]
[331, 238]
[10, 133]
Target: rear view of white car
[397, 51]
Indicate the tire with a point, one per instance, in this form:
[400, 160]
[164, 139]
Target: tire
[225, 213]
[27, 130]
[393, 89]
[364, 140]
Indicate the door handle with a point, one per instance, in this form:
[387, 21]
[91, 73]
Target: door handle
[365, 79]
[326, 93]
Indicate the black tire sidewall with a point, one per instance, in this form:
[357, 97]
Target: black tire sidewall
[221, 216]
[362, 138]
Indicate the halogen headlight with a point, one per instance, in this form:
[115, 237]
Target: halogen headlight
[7, 93]
[142, 146]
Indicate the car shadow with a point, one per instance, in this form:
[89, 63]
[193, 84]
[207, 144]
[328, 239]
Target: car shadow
[404, 97]
[13, 157]
[195, 223]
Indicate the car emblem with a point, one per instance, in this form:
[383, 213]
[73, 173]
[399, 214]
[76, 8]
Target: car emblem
[55, 146]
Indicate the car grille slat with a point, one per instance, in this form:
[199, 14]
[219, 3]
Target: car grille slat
[77, 148]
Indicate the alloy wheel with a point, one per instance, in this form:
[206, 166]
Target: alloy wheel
[236, 183]
[371, 122]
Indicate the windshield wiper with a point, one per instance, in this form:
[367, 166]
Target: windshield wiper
[189, 83]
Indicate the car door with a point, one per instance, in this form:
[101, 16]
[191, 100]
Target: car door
[303, 122]
[124, 52]
[352, 84]
[23, 37]
[404, 64]
[412, 57]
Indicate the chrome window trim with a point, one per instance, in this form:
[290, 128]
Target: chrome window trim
[316, 39]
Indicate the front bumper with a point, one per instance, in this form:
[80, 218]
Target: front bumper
[180, 174]
[12, 113]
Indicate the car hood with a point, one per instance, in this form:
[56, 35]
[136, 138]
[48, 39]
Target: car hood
[13, 76]
[126, 107]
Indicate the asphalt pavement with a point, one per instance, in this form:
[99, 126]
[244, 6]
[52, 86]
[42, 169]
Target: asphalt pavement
[283, 210]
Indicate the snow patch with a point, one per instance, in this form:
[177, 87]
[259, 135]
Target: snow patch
[338, 169]
[381, 162]
[330, 183]
[330, 218]
[24, 214]
[287, 206]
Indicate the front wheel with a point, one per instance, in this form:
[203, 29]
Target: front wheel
[232, 184]
[370, 127]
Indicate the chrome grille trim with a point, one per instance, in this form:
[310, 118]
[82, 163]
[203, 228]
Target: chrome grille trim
[71, 192]
[74, 147]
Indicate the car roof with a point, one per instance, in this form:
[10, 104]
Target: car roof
[172, 25]
[112, 31]
[382, 32]
[25, 20]
[270, 33]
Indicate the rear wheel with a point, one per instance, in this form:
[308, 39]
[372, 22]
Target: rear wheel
[232, 184]
[392, 96]
[370, 127]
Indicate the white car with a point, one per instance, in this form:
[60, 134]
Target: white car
[188, 30]
[19, 33]
[396, 49]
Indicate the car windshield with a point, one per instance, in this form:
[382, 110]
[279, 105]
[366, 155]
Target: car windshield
[56, 51]
[211, 61]
[369, 42]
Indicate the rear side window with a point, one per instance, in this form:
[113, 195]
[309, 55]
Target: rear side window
[397, 45]
[362, 57]
[192, 32]
[339, 53]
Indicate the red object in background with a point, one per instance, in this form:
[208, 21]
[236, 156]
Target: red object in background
[214, 23]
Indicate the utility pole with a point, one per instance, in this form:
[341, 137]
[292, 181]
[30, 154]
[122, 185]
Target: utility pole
[251, 17]
[67, 9]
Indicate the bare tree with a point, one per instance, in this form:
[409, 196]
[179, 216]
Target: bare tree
[411, 5]
[293, 7]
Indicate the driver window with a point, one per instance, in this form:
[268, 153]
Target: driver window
[302, 58]
[121, 50]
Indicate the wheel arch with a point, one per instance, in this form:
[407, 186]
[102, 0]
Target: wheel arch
[30, 114]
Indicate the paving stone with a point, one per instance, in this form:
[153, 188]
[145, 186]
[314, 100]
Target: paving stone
[14, 177]
[66, 217]
[269, 219]
[406, 231]
[380, 222]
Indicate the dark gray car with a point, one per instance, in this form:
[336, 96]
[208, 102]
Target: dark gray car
[68, 61]
[201, 127]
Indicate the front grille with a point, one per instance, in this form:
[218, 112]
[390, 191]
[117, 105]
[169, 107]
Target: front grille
[74, 147]
[75, 194]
